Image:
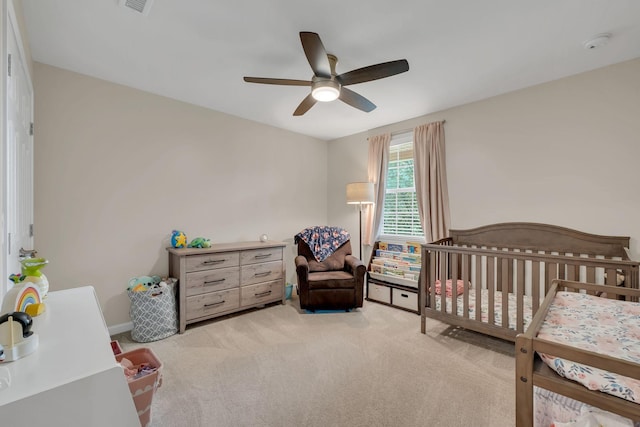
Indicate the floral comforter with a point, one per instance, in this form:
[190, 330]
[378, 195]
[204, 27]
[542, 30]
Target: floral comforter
[323, 240]
[601, 325]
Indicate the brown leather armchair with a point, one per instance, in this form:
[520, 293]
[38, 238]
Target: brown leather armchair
[337, 283]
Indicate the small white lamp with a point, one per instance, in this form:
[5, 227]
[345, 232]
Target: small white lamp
[360, 193]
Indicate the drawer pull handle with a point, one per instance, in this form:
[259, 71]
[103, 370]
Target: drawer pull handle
[214, 261]
[262, 256]
[266, 273]
[215, 281]
[404, 295]
[263, 294]
[214, 304]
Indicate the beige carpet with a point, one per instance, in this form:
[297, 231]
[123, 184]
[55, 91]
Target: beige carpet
[278, 366]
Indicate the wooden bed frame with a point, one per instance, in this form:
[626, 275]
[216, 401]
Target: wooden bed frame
[531, 371]
[511, 258]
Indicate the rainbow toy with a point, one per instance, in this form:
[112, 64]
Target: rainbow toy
[20, 298]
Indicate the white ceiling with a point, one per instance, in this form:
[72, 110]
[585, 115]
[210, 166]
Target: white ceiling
[459, 51]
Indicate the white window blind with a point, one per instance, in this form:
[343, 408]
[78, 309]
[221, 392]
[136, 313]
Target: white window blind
[400, 211]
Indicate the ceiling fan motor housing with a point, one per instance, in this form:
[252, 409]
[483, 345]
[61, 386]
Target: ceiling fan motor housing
[325, 90]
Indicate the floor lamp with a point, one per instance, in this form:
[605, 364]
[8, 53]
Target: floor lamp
[360, 193]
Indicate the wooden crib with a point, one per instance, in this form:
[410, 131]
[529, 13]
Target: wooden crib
[531, 371]
[503, 272]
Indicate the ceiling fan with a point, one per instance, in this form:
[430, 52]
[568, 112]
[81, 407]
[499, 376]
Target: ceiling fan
[326, 85]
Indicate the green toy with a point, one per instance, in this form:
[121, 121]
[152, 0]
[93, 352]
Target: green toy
[200, 242]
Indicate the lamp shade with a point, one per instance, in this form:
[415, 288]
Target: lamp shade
[360, 193]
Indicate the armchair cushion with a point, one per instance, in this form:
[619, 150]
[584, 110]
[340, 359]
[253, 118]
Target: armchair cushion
[335, 261]
[331, 280]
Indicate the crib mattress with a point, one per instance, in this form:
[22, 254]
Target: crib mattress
[600, 325]
[484, 313]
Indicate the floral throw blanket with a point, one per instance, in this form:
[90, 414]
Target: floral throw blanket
[323, 240]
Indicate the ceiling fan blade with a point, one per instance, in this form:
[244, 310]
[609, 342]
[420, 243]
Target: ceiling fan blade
[305, 105]
[373, 72]
[316, 54]
[356, 100]
[285, 82]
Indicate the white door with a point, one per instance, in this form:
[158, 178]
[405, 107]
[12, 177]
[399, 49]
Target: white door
[19, 152]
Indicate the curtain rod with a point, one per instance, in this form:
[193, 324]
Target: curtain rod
[398, 132]
[409, 130]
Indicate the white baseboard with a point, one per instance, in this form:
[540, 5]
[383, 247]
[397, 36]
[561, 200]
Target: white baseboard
[118, 329]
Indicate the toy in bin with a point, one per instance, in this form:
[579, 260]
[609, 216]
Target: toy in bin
[145, 283]
[145, 377]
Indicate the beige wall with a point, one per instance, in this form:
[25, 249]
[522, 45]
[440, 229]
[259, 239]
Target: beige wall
[116, 169]
[564, 152]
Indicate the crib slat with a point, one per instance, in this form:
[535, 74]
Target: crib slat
[573, 273]
[498, 275]
[591, 275]
[443, 281]
[454, 281]
[535, 285]
[611, 279]
[509, 278]
[433, 263]
[479, 277]
[552, 273]
[520, 295]
[561, 271]
[505, 268]
[466, 260]
[490, 290]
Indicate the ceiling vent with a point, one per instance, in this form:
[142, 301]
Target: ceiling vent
[140, 6]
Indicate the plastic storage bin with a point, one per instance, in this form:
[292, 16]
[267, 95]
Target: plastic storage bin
[143, 388]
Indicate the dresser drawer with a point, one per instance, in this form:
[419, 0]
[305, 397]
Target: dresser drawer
[263, 272]
[199, 282]
[405, 299]
[212, 303]
[260, 293]
[254, 256]
[379, 293]
[215, 260]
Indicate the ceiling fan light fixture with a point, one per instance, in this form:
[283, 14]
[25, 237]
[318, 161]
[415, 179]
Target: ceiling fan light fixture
[326, 90]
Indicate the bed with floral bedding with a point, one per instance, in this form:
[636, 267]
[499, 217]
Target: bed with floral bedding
[582, 347]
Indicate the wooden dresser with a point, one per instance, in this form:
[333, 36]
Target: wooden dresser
[227, 277]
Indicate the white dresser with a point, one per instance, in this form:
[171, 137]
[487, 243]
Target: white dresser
[226, 278]
[72, 379]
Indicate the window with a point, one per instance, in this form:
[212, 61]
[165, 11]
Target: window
[400, 216]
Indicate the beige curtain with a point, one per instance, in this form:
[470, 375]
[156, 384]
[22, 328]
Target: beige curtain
[431, 180]
[377, 173]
